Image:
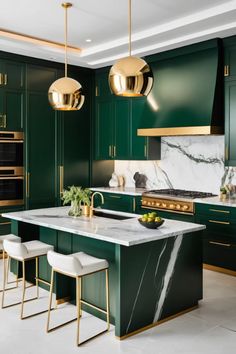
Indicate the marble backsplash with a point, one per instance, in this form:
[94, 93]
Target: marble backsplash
[192, 163]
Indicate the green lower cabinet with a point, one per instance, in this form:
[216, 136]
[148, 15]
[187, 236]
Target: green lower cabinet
[119, 202]
[219, 238]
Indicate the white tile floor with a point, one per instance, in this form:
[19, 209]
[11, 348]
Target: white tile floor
[210, 329]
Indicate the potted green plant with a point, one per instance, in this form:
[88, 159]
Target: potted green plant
[223, 193]
[78, 198]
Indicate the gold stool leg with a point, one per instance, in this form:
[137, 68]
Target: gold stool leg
[8, 269]
[107, 299]
[23, 293]
[50, 299]
[80, 294]
[78, 305]
[37, 275]
[4, 278]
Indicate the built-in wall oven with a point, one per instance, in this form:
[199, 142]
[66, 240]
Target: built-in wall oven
[11, 168]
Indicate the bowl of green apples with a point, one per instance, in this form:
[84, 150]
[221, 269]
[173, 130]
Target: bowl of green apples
[151, 220]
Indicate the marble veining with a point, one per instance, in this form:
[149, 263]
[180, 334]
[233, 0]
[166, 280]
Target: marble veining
[167, 277]
[193, 163]
[124, 232]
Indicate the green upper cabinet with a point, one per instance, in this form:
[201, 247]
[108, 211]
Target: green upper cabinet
[117, 121]
[12, 95]
[12, 74]
[230, 123]
[230, 100]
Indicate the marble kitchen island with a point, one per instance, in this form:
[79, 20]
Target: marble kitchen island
[154, 274]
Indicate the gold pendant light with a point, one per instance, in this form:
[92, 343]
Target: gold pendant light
[65, 94]
[130, 76]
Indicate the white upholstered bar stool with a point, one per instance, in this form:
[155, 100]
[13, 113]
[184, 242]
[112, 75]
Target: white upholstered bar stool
[78, 265]
[24, 252]
[14, 238]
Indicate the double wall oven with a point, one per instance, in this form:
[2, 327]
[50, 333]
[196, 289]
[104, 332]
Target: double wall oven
[11, 168]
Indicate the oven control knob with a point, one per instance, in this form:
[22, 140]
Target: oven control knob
[144, 202]
[163, 205]
[172, 206]
[149, 203]
[185, 207]
[178, 206]
[157, 204]
[153, 203]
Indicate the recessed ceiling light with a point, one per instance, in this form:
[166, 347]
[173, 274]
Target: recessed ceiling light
[88, 40]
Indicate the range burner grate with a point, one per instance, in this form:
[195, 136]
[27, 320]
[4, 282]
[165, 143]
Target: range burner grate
[181, 193]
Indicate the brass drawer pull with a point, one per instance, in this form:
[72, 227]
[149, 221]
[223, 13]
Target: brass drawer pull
[220, 244]
[1, 79]
[115, 196]
[114, 151]
[5, 223]
[145, 150]
[110, 153]
[5, 79]
[220, 211]
[61, 172]
[219, 222]
[134, 204]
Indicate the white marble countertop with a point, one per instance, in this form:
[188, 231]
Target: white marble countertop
[123, 232]
[120, 190]
[216, 201]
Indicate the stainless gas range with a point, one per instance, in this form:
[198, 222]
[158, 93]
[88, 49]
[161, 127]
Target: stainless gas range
[173, 200]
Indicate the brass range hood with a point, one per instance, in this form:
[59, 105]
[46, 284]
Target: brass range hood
[189, 94]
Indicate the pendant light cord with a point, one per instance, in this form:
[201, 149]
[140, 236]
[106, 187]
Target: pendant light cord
[129, 27]
[66, 35]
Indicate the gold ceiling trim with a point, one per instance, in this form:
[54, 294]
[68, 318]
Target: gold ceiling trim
[37, 41]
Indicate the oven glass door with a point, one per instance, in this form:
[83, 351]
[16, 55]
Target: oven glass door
[11, 190]
[11, 153]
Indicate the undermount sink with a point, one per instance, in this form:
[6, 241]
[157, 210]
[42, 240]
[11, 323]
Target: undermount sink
[110, 216]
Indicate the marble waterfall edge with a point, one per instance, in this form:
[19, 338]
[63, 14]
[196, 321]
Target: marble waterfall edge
[191, 163]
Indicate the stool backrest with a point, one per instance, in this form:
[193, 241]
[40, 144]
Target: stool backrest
[64, 263]
[15, 249]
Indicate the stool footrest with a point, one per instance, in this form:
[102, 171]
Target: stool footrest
[61, 325]
[18, 303]
[93, 306]
[90, 338]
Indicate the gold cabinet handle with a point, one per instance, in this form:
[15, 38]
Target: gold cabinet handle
[220, 243]
[5, 223]
[96, 91]
[115, 196]
[134, 204]
[226, 153]
[110, 151]
[145, 150]
[5, 120]
[5, 79]
[27, 187]
[219, 222]
[1, 79]
[114, 151]
[61, 172]
[1, 120]
[220, 211]
[226, 70]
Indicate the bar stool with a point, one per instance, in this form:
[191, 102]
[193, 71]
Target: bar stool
[23, 252]
[14, 238]
[77, 266]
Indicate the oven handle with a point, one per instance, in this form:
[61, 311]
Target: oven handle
[12, 177]
[167, 210]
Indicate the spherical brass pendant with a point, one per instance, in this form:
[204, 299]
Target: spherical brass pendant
[131, 76]
[65, 94]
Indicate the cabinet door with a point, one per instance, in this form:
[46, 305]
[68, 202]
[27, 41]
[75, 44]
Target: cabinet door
[138, 143]
[14, 109]
[41, 152]
[230, 61]
[13, 74]
[121, 144]
[104, 130]
[230, 123]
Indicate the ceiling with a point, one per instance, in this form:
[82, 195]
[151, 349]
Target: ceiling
[157, 25]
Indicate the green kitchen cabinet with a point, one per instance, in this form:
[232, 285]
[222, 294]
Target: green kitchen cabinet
[103, 130]
[219, 240]
[12, 74]
[230, 123]
[118, 202]
[41, 141]
[230, 58]
[12, 95]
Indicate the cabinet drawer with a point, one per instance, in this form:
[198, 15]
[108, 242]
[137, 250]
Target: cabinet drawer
[115, 201]
[5, 226]
[215, 211]
[220, 253]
